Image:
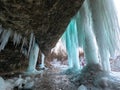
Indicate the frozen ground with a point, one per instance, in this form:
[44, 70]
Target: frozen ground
[52, 79]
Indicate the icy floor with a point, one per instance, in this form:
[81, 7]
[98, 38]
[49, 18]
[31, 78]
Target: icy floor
[52, 79]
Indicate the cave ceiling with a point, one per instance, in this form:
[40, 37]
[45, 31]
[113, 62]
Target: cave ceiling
[47, 19]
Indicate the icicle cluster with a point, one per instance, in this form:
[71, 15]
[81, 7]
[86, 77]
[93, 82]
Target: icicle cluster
[30, 49]
[4, 37]
[95, 28]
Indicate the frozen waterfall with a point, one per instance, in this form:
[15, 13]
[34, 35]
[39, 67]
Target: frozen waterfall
[94, 28]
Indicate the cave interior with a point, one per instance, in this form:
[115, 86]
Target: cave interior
[59, 45]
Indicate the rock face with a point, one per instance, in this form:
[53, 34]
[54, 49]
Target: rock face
[11, 60]
[47, 19]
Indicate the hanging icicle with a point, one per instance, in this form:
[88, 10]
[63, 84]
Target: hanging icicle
[30, 42]
[4, 38]
[42, 65]
[16, 39]
[1, 29]
[23, 49]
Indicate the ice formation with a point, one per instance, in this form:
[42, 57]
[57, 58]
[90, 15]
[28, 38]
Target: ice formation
[106, 28]
[2, 84]
[4, 38]
[17, 38]
[71, 42]
[42, 61]
[94, 28]
[19, 82]
[33, 59]
[5, 85]
[30, 42]
[82, 87]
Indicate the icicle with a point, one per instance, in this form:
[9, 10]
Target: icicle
[42, 62]
[24, 50]
[30, 43]
[16, 38]
[1, 29]
[4, 38]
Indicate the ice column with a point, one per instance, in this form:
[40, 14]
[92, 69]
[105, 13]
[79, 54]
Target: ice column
[42, 61]
[106, 29]
[33, 58]
[86, 35]
[71, 39]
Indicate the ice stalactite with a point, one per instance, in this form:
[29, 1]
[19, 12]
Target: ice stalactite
[106, 29]
[30, 43]
[42, 65]
[1, 29]
[16, 38]
[4, 38]
[23, 49]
